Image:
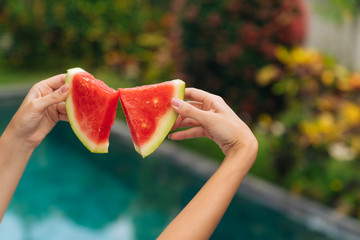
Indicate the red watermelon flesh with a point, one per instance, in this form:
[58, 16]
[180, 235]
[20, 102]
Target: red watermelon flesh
[91, 108]
[149, 114]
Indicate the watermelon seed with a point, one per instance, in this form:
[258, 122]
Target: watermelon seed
[155, 102]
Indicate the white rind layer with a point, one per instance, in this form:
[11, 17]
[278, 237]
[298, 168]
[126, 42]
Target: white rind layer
[164, 125]
[88, 143]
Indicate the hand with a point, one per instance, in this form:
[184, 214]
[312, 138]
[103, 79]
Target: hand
[207, 115]
[41, 109]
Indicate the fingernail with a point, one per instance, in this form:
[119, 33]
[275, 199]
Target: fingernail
[64, 88]
[176, 102]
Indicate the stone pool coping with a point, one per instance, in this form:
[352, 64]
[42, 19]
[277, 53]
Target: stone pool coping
[312, 214]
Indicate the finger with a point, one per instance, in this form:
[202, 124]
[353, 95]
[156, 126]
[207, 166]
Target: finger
[195, 132]
[198, 105]
[188, 122]
[55, 82]
[54, 97]
[209, 101]
[196, 94]
[180, 120]
[186, 110]
[63, 117]
[177, 123]
[61, 108]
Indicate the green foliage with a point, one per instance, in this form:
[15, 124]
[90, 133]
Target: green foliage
[224, 42]
[12, 77]
[59, 34]
[339, 10]
[314, 142]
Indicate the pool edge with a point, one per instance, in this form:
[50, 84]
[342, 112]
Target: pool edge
[310, 213]
[313, 215]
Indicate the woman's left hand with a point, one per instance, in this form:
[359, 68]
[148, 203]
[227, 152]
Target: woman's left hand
[42, 108]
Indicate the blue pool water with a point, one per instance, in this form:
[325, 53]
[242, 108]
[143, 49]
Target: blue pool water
[69, 193]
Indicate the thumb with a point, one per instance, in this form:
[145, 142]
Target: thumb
[56, 97]
[187, 110]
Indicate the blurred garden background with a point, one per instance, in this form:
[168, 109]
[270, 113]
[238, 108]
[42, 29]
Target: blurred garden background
[289, 68]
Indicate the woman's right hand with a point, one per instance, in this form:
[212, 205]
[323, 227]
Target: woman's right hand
[207, 115]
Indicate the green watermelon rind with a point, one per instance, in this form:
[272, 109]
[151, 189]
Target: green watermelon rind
[164, 125]
[70, 111]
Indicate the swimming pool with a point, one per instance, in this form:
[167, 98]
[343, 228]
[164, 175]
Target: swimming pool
[67, 192]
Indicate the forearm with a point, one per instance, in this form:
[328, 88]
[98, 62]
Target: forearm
[200, 217]
[14, 156]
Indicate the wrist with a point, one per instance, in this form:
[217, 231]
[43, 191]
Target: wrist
[249, 146]
[243, 153]
[13, 142]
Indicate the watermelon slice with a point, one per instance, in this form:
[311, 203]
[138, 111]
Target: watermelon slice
[149, 114]
[91, 109]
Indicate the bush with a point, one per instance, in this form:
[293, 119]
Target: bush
[339, 10]
[315, 141]
[223, 42]
[116, 34]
